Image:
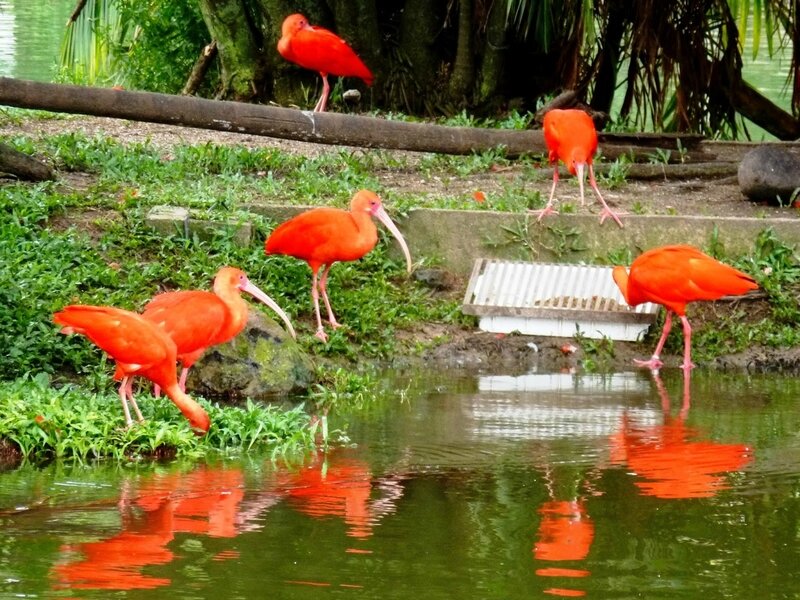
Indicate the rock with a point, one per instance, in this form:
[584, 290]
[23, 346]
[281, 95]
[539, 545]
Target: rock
[434, 278]
[263, 361]
[769, 173]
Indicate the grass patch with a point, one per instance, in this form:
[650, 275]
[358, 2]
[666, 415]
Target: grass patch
[72, 424]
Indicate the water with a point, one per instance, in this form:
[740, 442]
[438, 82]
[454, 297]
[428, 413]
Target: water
[454, 486]
[30, 37]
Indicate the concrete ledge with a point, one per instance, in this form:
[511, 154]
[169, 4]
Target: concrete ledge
[455, 238]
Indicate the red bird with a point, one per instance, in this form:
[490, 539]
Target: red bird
[196, 320]
[323, 236]
[140, 348]
[673, 276]
[318, 49]
[571, 137]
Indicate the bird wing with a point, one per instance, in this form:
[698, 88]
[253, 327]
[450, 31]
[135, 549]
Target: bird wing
[319, 49]
[316, 236]
[676, 275]
[191, 318]
[712, 279]
[125, 336]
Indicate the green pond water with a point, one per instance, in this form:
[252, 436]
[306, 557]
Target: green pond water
[452, 486]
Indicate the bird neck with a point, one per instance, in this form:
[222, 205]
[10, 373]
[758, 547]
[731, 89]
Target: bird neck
[198, 418]
[620, 275]
[237, 311]
[366, 234]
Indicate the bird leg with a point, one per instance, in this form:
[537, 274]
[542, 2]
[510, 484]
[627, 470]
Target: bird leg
[315, 297]
[687, 345]
[182, 381]
[548, 209]
[606, 212]
[132, 400]
[655, 360]
[323, 286]
[124, 399]
[323, 100]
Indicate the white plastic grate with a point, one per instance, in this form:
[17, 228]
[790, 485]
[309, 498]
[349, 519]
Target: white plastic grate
[553, 300]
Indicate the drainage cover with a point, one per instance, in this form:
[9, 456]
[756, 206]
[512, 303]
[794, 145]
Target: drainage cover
[555, 300]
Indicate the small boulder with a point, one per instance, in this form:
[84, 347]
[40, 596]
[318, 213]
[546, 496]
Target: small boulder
[769, 173]
[262, 362]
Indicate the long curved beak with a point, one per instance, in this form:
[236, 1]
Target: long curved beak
[380, 213]
[254, 291]
[580, 171]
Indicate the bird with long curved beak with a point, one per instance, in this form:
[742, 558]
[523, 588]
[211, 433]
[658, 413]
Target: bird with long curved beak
[324, 235]
[197, 319]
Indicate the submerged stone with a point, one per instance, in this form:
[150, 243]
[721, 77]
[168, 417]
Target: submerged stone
[262, 362]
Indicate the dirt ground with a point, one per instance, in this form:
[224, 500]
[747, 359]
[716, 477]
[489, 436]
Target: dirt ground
[470, 348]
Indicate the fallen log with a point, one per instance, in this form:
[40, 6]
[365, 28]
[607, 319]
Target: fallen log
[285, 123]
[22, 166]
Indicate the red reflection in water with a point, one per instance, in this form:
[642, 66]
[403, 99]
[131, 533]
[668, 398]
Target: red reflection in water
[670, 464]
[205, 501]
[333, 486]
[565, 534]
[211, 501]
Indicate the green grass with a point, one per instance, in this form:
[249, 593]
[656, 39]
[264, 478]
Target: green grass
[88, 243]
[73, 424]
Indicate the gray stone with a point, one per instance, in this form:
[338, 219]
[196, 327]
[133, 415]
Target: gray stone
[262, 362]
[769, 173]
[434, 278]
[169, 220]
[176, 220]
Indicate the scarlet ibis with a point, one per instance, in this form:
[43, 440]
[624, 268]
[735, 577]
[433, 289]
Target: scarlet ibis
[323, 236]
[139, 347]
[197, 320]
[673, 276]
[571, 137]
[319, 49]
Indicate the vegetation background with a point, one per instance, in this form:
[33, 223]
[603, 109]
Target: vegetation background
[671, 65]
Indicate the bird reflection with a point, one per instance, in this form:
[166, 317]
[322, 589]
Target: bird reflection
[669, 459]
[340, 487]
[211, 501]
[565, 534]
[205, 501]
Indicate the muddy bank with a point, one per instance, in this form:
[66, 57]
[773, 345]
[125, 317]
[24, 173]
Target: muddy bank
[479, 351]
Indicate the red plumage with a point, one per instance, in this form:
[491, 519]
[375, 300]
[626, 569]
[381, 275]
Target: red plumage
[571, 137]
[323, 236]
[318, 49]
[139, 347]
[673, 276]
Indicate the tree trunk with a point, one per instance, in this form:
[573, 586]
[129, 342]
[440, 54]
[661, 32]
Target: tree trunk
[412, 83]
[750, 103]
[242, 73]
[463, 67]
[605, 83]
[490, 75]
